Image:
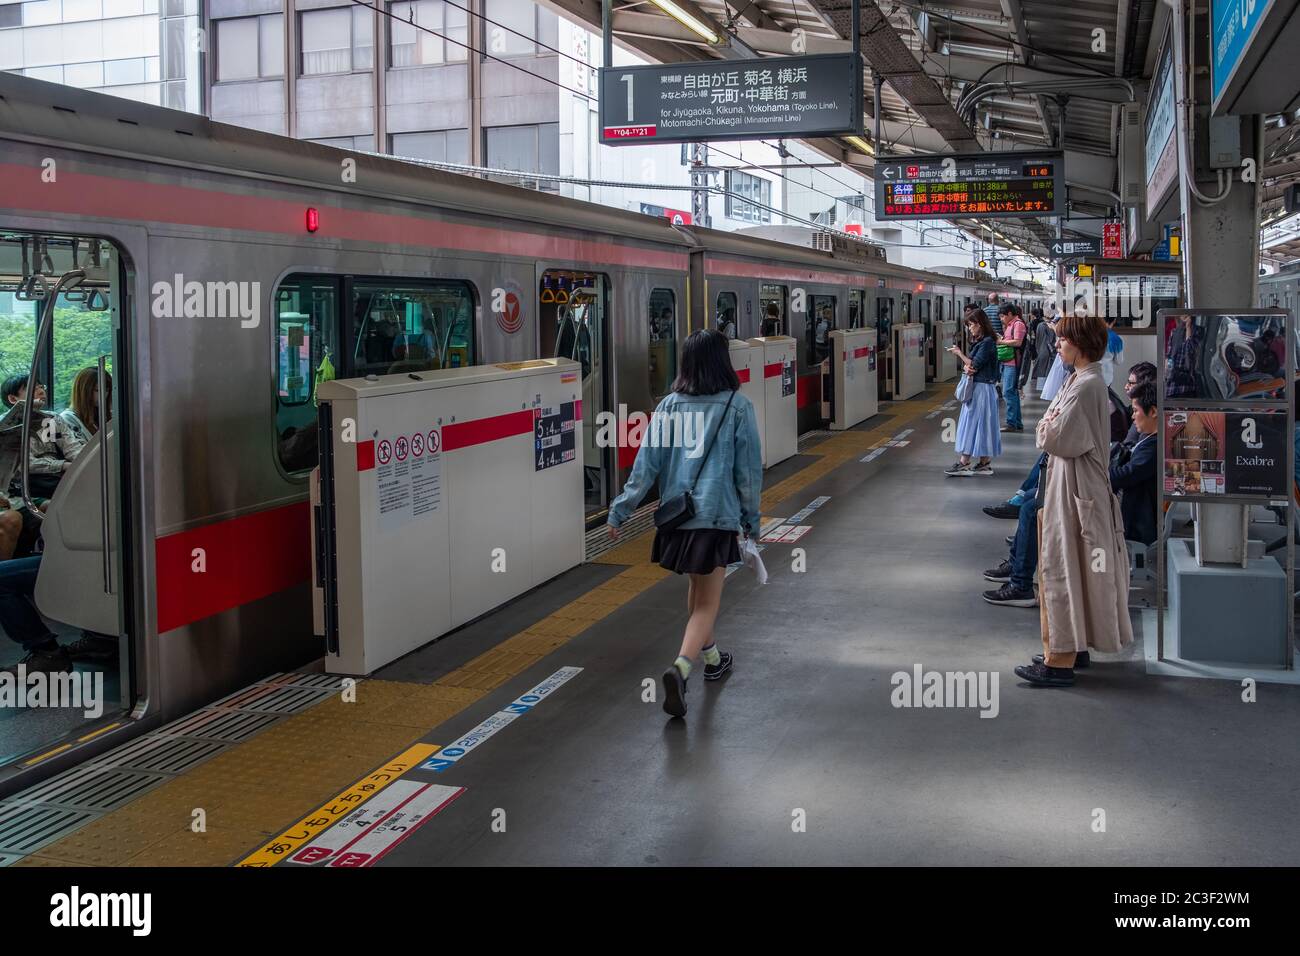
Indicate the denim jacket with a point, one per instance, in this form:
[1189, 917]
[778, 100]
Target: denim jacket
[984, 356]
[729, 484]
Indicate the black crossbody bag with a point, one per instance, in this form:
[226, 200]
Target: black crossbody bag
[679, 509]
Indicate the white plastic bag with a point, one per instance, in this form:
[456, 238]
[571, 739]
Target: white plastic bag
[750, 556]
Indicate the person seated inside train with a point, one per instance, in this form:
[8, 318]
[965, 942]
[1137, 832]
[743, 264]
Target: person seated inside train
[52, 445]
[1133, 468]
[23, 624]
[82, 414]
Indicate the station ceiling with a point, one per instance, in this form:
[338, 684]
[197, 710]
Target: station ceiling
[960, 76]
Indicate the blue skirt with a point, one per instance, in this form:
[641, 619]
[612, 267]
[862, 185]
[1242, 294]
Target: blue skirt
[977, 428]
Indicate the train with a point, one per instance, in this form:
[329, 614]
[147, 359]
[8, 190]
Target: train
[1281, 289]
[219, 274]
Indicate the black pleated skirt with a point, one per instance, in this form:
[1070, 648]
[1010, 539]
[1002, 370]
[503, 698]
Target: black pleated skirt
[695, 551]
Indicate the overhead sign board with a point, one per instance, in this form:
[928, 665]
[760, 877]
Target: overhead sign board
[979, 185]
[1158, 126]
[1074, 248]
[1112, 240]
[1252, 56]
[790, 97]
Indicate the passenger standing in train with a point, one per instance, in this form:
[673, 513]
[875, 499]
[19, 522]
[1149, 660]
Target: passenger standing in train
[1010, 346]
[1083, 562]
[718, 468]
[82, 415]
[977, 425]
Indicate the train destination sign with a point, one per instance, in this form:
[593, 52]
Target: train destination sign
[789, 96]
[987, 185]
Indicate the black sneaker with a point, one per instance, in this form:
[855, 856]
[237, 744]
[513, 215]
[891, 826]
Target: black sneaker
[958, 470]
[1001, 573]
[983, 471]
[52, 659]
[1081, 660]
[715, 672]
[1011, 596]
[93, 648]
[674, 692]
[1043, 676]
[1004, 510]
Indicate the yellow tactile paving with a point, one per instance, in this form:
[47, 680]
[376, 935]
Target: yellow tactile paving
[254, 790]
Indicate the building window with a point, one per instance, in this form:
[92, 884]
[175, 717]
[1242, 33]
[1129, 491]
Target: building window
[742, 186]
[442, 146]
[364, 143]
[11, 15]
[512, 26]
[417, 30]
[527, 149]
[339, 40]
[248, 48]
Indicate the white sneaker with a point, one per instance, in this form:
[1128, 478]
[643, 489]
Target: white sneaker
[983, 471]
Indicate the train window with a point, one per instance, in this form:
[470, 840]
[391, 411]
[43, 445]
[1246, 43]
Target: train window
[857, 308]
[905, 310]
[307, 312]
[771, 300]
[819, 329]
[410, 326]
[923, 310]
[663, 342]
[724, 319]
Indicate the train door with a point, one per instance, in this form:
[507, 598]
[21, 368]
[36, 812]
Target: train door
[885, 343]
[63, 554]
[857, 308]
[663, 343]
[924, 316]
[726, 314]
[573, 310]
[773, 302]
[823, 322]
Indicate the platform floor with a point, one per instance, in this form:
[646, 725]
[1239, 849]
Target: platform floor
[803, 729]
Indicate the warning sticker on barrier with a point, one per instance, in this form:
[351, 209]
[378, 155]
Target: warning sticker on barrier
[408, 479]
[787, 379]
[554, 435]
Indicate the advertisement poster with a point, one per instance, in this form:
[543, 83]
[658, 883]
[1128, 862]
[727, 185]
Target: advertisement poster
[1195, 445]
[1225, 357]
[1256, 459]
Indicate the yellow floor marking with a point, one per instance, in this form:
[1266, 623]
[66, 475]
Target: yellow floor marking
[102, 730]
[47, 755]
[250, 790]
[313, 824]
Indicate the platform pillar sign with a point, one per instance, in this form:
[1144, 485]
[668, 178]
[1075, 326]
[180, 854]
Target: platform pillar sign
[1112, 240]
[463, 490]
[1226, 457]
[779, 362]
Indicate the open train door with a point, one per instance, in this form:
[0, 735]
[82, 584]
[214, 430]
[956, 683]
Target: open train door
[66, 480]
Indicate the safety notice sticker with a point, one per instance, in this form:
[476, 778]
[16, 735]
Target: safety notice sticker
[554, 435]
[408, 478]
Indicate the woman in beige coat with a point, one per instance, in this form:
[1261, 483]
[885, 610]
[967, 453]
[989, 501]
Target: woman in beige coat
[1082, 559]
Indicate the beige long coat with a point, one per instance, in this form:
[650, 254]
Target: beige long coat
[1082, 560]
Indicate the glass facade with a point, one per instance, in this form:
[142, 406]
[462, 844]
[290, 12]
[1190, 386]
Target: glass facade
[129, 48]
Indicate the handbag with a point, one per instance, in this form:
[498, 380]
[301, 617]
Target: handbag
[965, 388]
[679, 509]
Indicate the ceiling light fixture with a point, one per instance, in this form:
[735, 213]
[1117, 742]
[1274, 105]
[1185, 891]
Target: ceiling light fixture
[860, 144]
[688, 20]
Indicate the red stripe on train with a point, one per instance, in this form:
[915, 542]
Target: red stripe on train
[244, 559]
[481, 430]
[106, 197]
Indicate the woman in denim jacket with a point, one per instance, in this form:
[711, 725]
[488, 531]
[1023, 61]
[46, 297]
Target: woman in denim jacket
[726, 482]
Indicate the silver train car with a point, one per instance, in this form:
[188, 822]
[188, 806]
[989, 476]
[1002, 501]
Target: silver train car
[218, 274]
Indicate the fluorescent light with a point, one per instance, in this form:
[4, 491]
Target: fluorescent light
[860, 144]
[687, 20]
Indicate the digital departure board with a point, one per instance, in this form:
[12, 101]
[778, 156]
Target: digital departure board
[976, 185]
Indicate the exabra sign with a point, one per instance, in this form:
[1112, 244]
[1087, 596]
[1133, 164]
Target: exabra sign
[988, 185]
[793, 96]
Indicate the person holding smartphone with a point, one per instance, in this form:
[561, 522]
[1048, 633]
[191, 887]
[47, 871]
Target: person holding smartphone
[977, 426]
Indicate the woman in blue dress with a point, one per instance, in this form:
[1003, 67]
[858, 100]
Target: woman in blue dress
[977, 428]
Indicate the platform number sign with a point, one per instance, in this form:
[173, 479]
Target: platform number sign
[554, 435]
